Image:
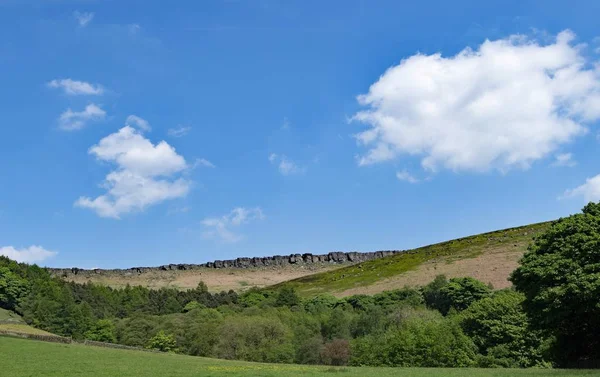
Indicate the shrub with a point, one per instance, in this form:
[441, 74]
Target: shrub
[336, 352]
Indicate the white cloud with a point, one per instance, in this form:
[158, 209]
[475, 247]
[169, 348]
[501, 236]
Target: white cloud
[506, 104]
[75, 120]
[202, 162]
[590, 190]
[179, 131]
[143, 176]
[285, 165]
[286, 124]
[75, 87]
[83, 18]
[31, 254]
[406, 176]
[220, 227]
[564, 159]
[136, 121]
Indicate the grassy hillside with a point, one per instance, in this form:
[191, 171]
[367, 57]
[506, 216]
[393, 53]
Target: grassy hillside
[10, 321]
[489, 257]
[61, 360]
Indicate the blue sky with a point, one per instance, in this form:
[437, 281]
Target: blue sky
[140, 133]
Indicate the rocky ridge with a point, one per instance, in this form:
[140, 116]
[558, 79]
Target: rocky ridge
[244, 263]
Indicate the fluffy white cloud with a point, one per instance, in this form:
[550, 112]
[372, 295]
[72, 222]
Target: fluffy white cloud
[406, 176]
[564, 159]
[144, 174]
[136, 121]
[506, 104]
[83, 18]
[75, 88]
[285, 165]
[75, 120]
[31, 254]
[220, 227]
[179, 131]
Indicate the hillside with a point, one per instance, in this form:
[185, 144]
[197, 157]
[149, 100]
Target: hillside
[55, 360]
[489, 257]
[12, 322]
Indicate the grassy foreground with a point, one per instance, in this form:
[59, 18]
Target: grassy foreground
[25, 358]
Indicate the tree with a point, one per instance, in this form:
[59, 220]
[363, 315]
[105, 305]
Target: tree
[102, 331]
[336, 352]
[560, 278]
[456, 293]
[417, 342]
[501, 330]
[12, 289]
[287, 296]
[162, 342]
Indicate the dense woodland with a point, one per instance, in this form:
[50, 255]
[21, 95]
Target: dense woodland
[551, 317]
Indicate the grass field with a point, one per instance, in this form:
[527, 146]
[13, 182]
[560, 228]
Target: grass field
[489, 257]
[10, 321]
[28, 358]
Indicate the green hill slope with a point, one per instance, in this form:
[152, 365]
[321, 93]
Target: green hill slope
[489, 257]
[66, 360]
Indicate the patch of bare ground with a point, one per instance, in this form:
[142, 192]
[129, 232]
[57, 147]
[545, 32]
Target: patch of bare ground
[492, 266]
[217, 280]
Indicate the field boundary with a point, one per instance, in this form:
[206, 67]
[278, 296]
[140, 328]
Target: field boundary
[66, 340]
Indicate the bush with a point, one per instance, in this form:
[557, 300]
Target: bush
[162, 342]
[336, 352]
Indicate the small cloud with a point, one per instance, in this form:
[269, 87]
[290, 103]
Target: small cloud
[76, 88]
[285, 165]
[136, 121]
[590, 190]
[564, 159]
[31, 254]
[75, 120]
[176, 210]
[220, 227]
[179, 131]
[406, 176]
[202, 162]
[83, 18]
[134, 29]
[286, 124]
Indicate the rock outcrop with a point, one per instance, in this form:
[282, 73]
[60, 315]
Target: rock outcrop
[256, 262]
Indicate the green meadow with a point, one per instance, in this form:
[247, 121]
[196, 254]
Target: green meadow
[30, 358]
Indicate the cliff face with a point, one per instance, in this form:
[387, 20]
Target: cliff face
[256, 262]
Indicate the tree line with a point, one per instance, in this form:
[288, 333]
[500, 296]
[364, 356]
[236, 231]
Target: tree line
[550, 318]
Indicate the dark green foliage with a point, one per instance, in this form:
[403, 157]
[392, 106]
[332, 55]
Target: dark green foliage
[501, 330]
[287, 296]
[456, 293]
[560, 278]
[261, 339]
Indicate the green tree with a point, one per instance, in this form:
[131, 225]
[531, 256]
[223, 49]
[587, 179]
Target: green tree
[13, 289]
[560, 278]
[417, 342]
[287, 296]
[102, 331]
[163, 342]
[501, 330]
[456, 293]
